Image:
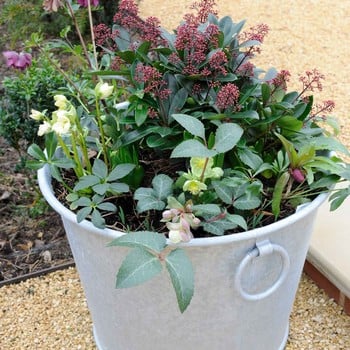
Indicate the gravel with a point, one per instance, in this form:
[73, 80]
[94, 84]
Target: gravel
[50, 312]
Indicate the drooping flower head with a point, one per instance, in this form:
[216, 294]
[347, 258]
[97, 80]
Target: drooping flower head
[16, 60]
[52, 5]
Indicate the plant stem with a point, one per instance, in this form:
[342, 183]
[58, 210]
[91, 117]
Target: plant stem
[71, 12]
[92, 33]
[79, 167]
[204, 168]
[100, 126]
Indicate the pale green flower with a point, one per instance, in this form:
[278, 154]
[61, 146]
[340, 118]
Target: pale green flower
[62, 125]
[198, 164]
[36, 115]
[216, 173]
[194, 186]
[61, 101]
[44, 128]
[103, 90]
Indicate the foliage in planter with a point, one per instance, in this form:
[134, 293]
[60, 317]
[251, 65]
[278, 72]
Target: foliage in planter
[246, 151]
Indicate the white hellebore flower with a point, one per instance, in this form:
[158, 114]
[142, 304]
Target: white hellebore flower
[36, 115]
[44, 128]
[61, 101]
[103, 90]
[175, 236]
[62, 124]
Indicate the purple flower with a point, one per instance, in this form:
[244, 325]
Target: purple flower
[85, 3]
[18, 60]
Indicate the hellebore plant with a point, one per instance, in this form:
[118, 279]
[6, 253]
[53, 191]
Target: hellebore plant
[207, 144]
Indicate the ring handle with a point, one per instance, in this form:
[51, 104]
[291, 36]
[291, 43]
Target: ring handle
[262, 248]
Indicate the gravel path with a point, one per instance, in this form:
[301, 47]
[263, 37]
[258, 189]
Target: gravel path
[50, 312]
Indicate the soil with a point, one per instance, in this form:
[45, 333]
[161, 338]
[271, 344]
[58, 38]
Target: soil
[32, 238]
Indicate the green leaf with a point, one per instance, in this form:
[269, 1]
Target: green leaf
[64, 163]
[192, 148]
[290, 123]
[100, 169]
[83, 202]
[337, 198]
[329, 143]
[83, 213]
[238, 220]
[138, 267]
[225, 193]
[218, 227]
[34, 164]
[278, 192]
[120, 171]
[118, 187]
[86, 182]
[147, 200]
[265, 93]
[141, 112]
[181, 274]
[97, 219]
[50, 144]
[162, 185]
[36, 152]
[246, 202]
[250, 198]
[250, 114]
[191, 124]
[291, 152]
[141, 239]
[212, 209]
[249, 158]
[101, 188]
[226, 137]
[178, 101]
[107, 206]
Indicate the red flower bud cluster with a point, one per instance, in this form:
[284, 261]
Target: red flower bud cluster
[203, 9]
[256, 33]
[312, 80]
[228, 97]
[281, 79]
[153, 81]
[148, 30]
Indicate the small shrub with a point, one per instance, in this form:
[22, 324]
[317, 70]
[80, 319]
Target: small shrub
[28, 90]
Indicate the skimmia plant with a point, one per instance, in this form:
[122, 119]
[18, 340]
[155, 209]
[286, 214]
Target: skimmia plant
[205, 144]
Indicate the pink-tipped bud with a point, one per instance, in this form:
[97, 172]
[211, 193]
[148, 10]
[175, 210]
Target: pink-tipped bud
[298, 175]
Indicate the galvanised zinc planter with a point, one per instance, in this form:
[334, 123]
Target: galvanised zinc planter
[245, 285]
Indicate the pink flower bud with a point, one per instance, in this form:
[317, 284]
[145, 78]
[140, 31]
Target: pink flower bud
[298, 175]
